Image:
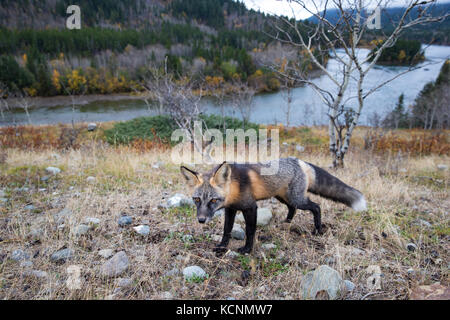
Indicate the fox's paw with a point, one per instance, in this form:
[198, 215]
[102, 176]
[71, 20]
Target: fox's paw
[318, 232]
[244, 250]
[220, 249]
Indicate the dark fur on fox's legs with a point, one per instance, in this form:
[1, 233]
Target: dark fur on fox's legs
[291, 209]
[250, 228]
[230, 214]
[315, 209]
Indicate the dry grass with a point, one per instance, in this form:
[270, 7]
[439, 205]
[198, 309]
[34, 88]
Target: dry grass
[127, 182]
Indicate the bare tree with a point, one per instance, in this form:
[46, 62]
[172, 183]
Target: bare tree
[341, 38]
[177, 98]
[4, 104]
[242, 99]
[24, 101]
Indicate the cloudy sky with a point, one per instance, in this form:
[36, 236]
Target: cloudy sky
[283, 7]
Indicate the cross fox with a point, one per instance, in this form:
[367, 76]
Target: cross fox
[236, 187]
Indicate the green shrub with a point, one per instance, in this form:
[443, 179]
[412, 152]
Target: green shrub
[163, 126]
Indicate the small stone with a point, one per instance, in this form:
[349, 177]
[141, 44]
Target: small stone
[423, 223]
[264, 215]
[237, 232]
[166, 295]
[62, 255]
[92, 126]
[36, 273]
[74, 280]
[299, 148]
[125, 220]
[106, 253]
[410, 271]
[187, 238]
[411, 247]
[19, 255]
[216, 237]
[373, 282]
[179, 200]
[45, 178]
[323, 278]
[53, 170]
[349, 286]
[92, 221]
[63, 215]
[4, 200]
[268, 246]
[90, 179]
[81, 230]
[115, 266]
[124, 282]
[143, 230]
[193, 271]
[26, 264]
[442, 167]
[30, 207]
[2, 194]
[219, 213]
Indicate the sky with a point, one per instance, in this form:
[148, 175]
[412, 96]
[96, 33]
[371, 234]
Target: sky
[283, 7]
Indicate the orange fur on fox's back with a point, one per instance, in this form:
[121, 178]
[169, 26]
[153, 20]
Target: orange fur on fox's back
[258, 187]
[233, 193]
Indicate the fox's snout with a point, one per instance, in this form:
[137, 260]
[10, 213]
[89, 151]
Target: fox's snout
[202, 219]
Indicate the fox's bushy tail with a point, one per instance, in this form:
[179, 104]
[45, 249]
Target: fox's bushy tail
[330, 187]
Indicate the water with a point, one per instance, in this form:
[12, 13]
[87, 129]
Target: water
[306, 109]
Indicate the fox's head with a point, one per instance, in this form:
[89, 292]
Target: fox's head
[210, 191]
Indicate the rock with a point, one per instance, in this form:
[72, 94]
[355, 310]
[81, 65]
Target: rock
[232, 254]
[124, 221]
[442, 167]
[423, 223]
[166, 295]
[92, 221]
[373, 282]
[63, 215]
[124, 282]
[264, 215]
[115, 266]
[4, 200]
[45, 178]
[349, 286]
[219, 213]
[193, 271]
[30, 207]
[237, 232]
[53, 170]
[410, 271]
[323, 278]
[216, 237]
[299, 148]
[26, 264]
[411, 247]
[187, 238]
[106, 253]
[435, 291]
[92, 126]
[268, 246]
[19, 255]
[90, 179]
[36, 273]
[179, 200]
[2, 194]
[74, 280]
[62, 255]
[81, 230]
[143, 230]
[157, 165]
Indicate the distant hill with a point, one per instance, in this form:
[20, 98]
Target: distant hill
[438, 33]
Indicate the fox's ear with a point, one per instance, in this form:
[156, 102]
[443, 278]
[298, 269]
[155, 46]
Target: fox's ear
[222, 175]
[191, 176]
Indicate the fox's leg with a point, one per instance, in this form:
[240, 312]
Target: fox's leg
[291, 209]
[250, 229]
[230, 214]
[315, 209]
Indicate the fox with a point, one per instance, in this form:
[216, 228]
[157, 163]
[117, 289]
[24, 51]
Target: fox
[238, 187]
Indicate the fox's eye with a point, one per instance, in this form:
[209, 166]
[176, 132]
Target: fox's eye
[197, 200]
[214, 200]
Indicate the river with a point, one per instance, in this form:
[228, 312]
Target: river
[306, 109]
